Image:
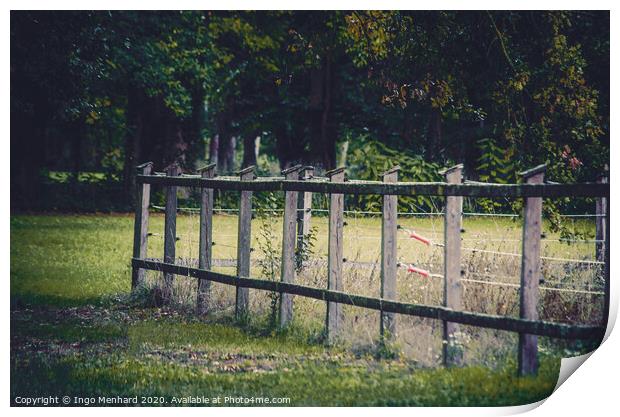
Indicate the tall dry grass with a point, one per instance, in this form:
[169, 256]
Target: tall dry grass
[490, 281]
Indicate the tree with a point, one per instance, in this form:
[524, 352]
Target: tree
[109, 90]
[53, 83]
[515, 73]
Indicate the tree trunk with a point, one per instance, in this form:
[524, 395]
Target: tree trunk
[226, 142]
[177, 145]
[344, 151]
[27, 136]
[226, 153]
[256, 148]
[328, 131]
[222, 162]
[250, 153]
[214, 146]
[76, 149]
[133, 140]
[320, 115]
[434, 134]
[229, 153]
[287, 149]
[193, 129]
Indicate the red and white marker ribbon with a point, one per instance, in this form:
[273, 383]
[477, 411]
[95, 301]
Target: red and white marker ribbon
[420, 271]
[420, 238]
[411, 268]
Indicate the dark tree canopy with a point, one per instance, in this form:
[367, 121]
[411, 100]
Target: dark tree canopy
[500, 91]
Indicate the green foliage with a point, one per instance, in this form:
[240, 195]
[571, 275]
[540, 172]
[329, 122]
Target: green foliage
[550, 105]
[167, 54]
[305, 248]
[429, 83]
[366, 35]
[369, 159]
[536, 95]
[495, 165]
[270, 259]
[386, 348]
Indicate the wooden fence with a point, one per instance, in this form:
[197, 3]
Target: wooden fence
[298, 184]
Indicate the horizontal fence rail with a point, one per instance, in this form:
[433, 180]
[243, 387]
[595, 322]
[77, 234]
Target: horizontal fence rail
[370, 187]
[540, 328]
[378, 213]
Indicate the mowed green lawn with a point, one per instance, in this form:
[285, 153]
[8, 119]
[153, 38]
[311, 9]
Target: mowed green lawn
[75, 331]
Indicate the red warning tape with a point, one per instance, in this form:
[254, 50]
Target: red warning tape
[411, 268]
[420, 271]
[420, 238]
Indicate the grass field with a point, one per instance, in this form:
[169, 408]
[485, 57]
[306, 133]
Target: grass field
[76, 331]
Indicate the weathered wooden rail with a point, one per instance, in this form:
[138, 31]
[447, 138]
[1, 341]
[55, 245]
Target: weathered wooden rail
[402, 188]
[298, 184]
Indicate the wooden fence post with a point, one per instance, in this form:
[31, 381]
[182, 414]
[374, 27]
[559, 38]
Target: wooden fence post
[304, 212]
[389, 260]
[170, 230]
[141, 224]
[244, 241]
[530, 272]
[205, 241]
[452, 289]
[289, 222]
[601, 229]
[335, 253]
